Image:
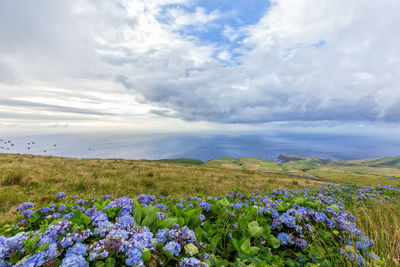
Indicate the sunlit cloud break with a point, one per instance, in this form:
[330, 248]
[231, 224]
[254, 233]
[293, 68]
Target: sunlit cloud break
[121, 62]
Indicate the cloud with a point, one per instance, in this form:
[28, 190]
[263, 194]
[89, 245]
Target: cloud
[179, 17]
[57, 108]
[301, 61]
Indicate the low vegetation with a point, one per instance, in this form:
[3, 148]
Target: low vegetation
[385, 171]
[150, 220]
[39, 178]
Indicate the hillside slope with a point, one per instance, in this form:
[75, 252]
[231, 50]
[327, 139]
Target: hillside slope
[39, 178]
[385, 171]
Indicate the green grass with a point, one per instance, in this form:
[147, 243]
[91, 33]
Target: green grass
[183, 161]
[39, 178]
[385, 171]
[381, 222]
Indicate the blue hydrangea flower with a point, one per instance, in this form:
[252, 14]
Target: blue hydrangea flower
[161, 235]
[284, 238]
[78, 249]
[62, 208]
[46, 210]
[60, 195]
[173, 247]
[133, 256]
[74, 260]
[25, 206]
[191, 262]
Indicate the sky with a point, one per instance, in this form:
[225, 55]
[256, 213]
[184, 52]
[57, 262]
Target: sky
[182, 65]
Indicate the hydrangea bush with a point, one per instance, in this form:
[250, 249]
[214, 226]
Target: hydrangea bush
[307, 227]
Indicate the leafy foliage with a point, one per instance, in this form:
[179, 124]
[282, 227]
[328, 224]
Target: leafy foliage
[307, 227]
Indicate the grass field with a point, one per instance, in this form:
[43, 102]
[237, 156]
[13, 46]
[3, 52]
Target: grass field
[39, 178]
[373, 172]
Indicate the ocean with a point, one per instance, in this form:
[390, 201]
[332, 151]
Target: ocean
[204, 145]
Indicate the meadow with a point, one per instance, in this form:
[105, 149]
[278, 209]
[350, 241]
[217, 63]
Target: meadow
[373, 172]
[113, 212]
[39, 178]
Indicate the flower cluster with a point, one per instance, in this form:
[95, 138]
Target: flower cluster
[271, 228]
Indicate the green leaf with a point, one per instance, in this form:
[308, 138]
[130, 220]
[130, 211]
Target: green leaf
[254, 250]
[335, 208]
[15, 257]
[110, 262]
[274, 242]
[137, 213]
[224, 202]
[100, 264]
[245, 247]
[215, 240]
[248, 249]
[150, 215]
[146, 255]
[255, 230]
[76, 216]
[56, 262]
[300, 201]
[44, 246]
[86, 219]
[166, 223]
[168, 254]
[236, 244]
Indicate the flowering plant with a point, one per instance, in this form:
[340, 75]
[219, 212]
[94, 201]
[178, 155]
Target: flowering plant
[283, 227]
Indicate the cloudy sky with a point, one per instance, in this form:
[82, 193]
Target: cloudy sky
[187, 64]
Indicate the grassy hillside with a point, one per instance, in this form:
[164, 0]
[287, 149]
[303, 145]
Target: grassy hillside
[384, 171]
[39, 178]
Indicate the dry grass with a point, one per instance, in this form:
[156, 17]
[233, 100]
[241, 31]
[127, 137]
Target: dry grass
[39, 178]
[381, 222]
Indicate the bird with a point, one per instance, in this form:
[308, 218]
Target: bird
[29, 147]
[55, 145]
[44, 151]
[33, 143]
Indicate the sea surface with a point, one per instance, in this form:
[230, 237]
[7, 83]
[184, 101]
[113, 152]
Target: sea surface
[203, 146]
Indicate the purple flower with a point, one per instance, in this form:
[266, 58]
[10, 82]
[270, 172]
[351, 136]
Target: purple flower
[133, 256]
[107, 196]
[62, 208]
[173, 247]
[74, 260]
[46, 210]
[191, 262]
[77, 249]
[60, 195]
[284, 238]
[25, 206]
[27, 213]
[161, 236]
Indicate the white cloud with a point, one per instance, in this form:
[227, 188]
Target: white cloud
[180, 17]
[305, 60]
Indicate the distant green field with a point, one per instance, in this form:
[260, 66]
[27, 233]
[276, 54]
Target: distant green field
[384, 171]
